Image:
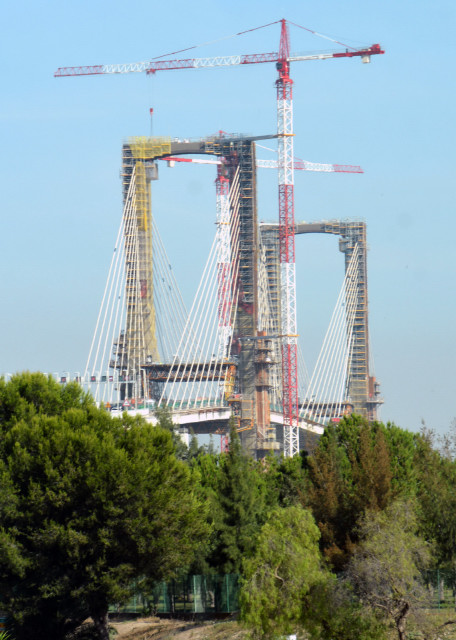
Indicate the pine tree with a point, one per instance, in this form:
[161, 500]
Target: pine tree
[88, 503]
[241, 508]
[356, 466]
[371, 469]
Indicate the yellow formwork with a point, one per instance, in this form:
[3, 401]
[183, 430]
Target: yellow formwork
[144, 148]
[230, 377]
[141, 324]
[142, 200]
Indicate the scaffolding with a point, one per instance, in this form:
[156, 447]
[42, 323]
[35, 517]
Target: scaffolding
[239, 160]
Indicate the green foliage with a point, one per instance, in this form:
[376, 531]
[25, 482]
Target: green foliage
[386, 567]
[437, 500]
[286, 480]
[29, 394]
[330, 492]
[335, 612]
[89, 504]
[402, 449]
[356, 466]
[287, 589]
[182, 451]
[95, 502]
[240, 508]
[205, 472]
[234, 488]
[279, 576]
[165, 421]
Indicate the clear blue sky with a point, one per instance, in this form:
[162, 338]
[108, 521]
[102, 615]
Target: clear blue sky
[60, 160]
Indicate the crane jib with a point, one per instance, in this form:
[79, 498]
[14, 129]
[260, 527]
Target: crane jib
[151, 66]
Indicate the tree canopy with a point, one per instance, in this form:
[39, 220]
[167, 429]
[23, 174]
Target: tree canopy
[387, 565]
[284, 567]
[287, 588]
[87, 503]
[356, 466]
[235, 488]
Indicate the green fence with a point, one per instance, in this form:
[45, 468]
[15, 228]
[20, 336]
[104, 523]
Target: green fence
[186, 595]
[442, 587]
[213, 594]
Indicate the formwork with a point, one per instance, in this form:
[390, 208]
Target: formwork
[138, 340]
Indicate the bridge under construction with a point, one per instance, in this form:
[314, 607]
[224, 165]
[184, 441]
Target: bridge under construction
[233, 363]
[221, 360]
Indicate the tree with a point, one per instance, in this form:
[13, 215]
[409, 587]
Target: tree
[356, 466]
[402, 448]
[371, 470]
[279, 576]
[387, 564]
[239, 508]
[29, 394]
[286, 479]
[330, 494]
[165, 421]
[96, 502]
[287, 588]
[437, 500]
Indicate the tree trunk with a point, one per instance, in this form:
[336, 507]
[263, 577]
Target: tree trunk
[401, 620]
[101, 625]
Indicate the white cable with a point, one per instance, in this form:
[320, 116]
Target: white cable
[183, 343]
[198, 348]
[315, 387]
[102, 302]
[327, 362]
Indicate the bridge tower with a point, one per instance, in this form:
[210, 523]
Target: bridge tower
[138, 340]
[362, 389]
[136, 346]
[249, 401]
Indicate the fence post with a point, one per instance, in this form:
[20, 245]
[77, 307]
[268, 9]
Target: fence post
[227, 593]
[438, 586]
[454, 586]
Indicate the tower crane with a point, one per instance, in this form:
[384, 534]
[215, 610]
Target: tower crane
[284, 86]
[301, 165]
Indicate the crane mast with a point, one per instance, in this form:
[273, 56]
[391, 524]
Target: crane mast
[284, 86]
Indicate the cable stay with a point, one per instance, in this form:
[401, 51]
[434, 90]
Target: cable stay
[114, 370]
[326, 395]
[269, 320]
[201, 370]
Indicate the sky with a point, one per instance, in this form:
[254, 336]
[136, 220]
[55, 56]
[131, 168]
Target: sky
[61, 151]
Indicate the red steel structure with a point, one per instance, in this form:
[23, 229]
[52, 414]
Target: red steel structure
[284, 86]
[287, 248]
[152, 66]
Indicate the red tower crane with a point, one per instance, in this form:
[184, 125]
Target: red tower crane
[284, 85]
